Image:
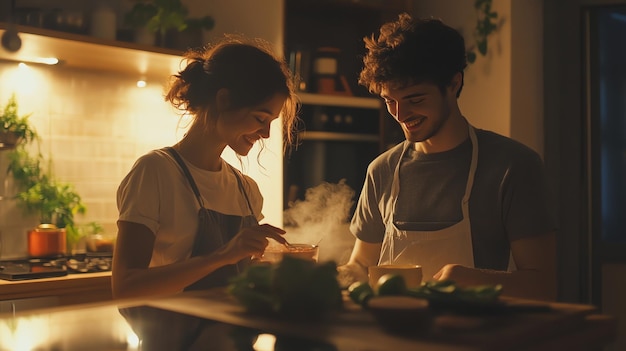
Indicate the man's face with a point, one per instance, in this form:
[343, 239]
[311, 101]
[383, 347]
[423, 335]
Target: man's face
[421, 109]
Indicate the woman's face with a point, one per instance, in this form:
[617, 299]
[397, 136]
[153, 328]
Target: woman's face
[241, 128]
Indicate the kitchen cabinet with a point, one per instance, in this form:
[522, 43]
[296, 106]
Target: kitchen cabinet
[339, 26]
[76, 51]
[311, 25]
[344, 126]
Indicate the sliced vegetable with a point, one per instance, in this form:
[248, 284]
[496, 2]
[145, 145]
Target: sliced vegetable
[360, 292]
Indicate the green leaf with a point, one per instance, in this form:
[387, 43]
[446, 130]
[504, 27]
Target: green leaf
[482, 47]
[471, 56]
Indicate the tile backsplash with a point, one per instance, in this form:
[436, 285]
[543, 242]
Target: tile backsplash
[93, 126]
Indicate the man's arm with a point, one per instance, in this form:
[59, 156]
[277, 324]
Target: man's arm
[363, 255]
[535, 277]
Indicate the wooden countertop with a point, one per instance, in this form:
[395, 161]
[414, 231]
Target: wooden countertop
[169, 320]
[71, 289]
[564, 327]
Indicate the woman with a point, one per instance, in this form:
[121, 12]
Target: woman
[169, 239]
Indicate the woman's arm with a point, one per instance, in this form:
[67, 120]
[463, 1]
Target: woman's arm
[131, 276]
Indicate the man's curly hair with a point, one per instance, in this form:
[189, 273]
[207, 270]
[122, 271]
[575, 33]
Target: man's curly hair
[412, 51]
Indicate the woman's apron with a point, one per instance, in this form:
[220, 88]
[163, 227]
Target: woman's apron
[215, 229]
[430, 249]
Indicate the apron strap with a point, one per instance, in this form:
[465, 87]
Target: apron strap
[193, 185]
[243, 190]
[187, 174]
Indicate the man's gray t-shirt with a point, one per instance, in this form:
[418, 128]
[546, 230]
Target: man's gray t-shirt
[509, 198]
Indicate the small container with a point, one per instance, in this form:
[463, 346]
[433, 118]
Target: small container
[98, 243]
[46, 240]
[103, 22]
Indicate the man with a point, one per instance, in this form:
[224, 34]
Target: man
[468, 205]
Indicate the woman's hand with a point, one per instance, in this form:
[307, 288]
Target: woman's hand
[251, 241]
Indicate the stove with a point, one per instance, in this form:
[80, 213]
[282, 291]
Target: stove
[34, 268]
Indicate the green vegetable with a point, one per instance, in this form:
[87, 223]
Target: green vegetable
[448, 291]
[360, 292]
[391, 284]
[292, 288]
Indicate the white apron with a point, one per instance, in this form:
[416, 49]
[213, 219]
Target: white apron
[431, 249]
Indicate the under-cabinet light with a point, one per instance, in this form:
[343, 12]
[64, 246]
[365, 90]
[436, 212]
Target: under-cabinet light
[42, 60]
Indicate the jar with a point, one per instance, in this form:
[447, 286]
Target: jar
[46, 240]
[103, 21]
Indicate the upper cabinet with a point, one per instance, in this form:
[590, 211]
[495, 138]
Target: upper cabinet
[324, 40]
[87, 52]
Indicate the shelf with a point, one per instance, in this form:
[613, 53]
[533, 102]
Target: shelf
[336, 136]
[339, 100]
[90, 53]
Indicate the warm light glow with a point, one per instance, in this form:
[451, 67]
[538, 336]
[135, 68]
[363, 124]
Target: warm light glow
[141, 84]
[17, 334]
[25, 80]
[42, 60]
[132, 341]
[264, 342]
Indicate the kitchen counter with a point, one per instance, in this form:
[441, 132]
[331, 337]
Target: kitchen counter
[194, 320]
[69, 289]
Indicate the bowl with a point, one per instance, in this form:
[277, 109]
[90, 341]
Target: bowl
[276, 252]
[401, 314]
[100, 243]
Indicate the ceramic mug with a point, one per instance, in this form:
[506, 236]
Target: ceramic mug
[411, 273]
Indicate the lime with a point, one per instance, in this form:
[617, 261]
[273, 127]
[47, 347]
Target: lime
[391, 284]
[360, 292]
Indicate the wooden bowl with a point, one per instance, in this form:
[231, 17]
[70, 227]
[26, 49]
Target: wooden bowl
[401, 314]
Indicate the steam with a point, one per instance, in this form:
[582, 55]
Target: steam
[323, 213]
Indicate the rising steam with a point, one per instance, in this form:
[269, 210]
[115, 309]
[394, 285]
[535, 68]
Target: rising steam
[324, 210]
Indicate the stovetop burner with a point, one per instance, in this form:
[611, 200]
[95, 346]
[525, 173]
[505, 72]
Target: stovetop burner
[32, 268]
[82, 264]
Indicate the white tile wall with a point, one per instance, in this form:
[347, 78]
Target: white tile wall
[93, 127]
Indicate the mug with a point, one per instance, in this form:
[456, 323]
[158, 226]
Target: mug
[412, 274]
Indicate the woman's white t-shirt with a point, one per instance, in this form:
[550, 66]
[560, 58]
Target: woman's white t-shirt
[156, 193]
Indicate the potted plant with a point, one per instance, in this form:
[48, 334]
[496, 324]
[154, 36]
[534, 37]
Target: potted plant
[13, 127]
[137, 19]
[55, 203]
[167, 19]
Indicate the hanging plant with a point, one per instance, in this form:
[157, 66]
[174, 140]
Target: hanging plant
[13, 127]
[485, 25]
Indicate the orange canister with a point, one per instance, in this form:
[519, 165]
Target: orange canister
[46, 240]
